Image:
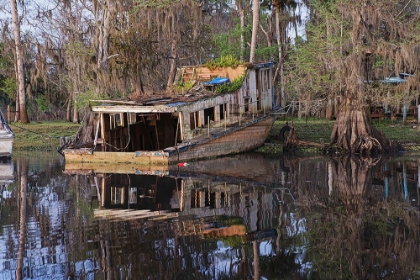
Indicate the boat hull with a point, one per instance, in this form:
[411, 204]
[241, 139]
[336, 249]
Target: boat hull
[6, 147]
[237, 140]
[245, 139]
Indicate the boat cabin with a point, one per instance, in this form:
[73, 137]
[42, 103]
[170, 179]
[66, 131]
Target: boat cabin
[207, 103]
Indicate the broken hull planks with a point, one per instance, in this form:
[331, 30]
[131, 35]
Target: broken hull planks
[240, 140]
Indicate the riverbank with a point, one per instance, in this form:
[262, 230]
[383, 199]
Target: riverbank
[41, 136]
[319, 130]
[46, 135]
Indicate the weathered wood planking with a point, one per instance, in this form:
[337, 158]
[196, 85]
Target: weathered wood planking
[129, 168]
[129, 214]
[248, 138]
[140, 157]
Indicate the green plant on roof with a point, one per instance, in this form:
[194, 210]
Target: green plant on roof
[231, 87]
[184, 86]
[223, 61]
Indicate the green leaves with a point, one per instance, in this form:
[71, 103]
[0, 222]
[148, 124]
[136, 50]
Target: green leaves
[223, 61]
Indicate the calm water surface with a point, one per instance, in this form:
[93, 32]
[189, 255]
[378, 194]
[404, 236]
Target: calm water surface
[241, 217]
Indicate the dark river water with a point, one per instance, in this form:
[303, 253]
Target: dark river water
[240, 217]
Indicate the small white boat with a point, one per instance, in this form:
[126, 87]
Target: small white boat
[6, 138]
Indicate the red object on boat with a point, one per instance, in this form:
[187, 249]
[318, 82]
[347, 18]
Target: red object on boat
[182, 164]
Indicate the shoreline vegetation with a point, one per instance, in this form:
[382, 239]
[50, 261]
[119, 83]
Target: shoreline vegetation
[46, 135]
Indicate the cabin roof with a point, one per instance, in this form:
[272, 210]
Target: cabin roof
[167, 102]
[156, 104]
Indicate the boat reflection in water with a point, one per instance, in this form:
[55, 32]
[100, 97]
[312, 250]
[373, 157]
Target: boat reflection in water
[228, 186]
[6, 174]
[170, 213]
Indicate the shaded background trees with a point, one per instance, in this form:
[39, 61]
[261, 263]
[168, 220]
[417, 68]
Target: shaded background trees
[81, 49]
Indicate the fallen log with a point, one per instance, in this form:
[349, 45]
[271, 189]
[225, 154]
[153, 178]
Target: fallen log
[292, 142]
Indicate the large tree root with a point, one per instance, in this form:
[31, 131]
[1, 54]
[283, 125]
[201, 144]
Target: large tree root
[354, 133]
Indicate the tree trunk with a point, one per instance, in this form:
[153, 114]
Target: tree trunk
[279, 70]
[354, 132]
[174, 49]
[255, 25]
[75, 113]
[104, 29]
[68, 110]
[241, 12]
[21, 97]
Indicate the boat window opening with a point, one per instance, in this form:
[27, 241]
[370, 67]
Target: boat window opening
[144, 132]
[224, 199]
[260, 82]
[194, 120]
[265, 78]
[117, 195]
[210, 199]
[132, 197]
[246, 104]
[208, 115]
[117, 119]
[222, 110]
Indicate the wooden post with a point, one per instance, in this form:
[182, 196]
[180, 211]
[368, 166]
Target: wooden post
[208, 126]
[9, 114]
[418, 113]
[225, 120]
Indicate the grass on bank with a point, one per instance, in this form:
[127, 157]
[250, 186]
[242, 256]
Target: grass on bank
[41, 135]
[315, 129]
[46, 135]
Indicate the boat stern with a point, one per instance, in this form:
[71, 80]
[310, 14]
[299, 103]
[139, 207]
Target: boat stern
[6, 147]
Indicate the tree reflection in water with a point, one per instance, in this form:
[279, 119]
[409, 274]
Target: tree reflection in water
[355, 232]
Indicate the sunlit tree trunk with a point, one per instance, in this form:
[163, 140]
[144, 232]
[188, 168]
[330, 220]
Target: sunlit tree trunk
[21, 98]
[105, 19]
[255, 25]
[241, 12]
[279, 69]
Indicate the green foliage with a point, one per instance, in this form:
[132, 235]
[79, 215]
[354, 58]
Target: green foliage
[9, 86]
[82, 99]
[267, 52]
[223, 61]
[42, 103]
[182, 87]
[231, 87]
[229, 43]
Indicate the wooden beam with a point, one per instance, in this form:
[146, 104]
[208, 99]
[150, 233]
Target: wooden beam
[134, 109]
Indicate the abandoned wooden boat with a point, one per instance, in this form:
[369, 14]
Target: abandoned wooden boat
[6, 138]
[209, 118]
